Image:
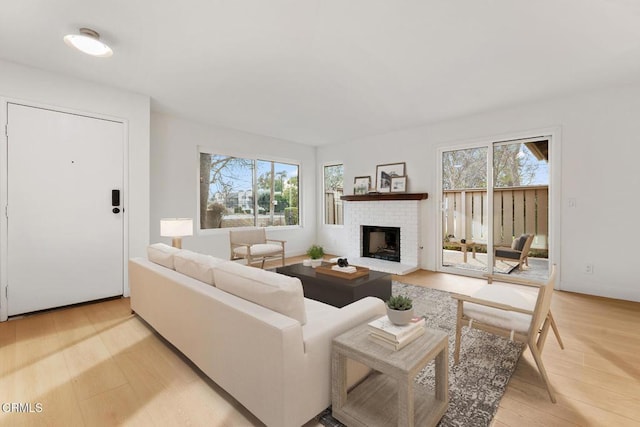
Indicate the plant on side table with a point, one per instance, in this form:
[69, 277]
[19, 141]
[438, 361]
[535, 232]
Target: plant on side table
[400, 309]
[316, 253]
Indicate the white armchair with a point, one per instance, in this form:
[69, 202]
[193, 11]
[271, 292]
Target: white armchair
[252, 244]
[513, 313]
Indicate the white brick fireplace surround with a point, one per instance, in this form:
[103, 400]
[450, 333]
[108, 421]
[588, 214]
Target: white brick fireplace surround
[404, 214]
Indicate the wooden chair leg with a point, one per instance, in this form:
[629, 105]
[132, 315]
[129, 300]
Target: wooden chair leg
[542, 336]
[555, 330]
[456, 351]
[283, 243]
[543, 373]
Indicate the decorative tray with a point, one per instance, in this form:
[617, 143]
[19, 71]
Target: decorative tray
[360, 272]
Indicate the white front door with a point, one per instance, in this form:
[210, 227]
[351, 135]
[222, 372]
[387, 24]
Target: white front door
[64, 238]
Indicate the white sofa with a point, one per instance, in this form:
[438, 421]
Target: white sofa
[278, 366]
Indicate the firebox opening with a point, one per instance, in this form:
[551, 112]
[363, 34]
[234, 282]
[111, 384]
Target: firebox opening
[381, 242]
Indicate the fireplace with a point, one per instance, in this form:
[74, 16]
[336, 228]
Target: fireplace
[381, 242]
[404, 214]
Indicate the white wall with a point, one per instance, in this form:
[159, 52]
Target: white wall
[33, 85]
[600, 153]
[360, 159]
[600, 143]
[174, 179]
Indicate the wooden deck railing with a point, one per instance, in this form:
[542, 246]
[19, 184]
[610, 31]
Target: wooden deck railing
[333, 208]
[517, 210]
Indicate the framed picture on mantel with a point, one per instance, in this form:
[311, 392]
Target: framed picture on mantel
[361, 184]
[384, 174]
[398, 184]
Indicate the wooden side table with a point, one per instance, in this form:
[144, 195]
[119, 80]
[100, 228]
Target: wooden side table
[389, 395]
[463, 247]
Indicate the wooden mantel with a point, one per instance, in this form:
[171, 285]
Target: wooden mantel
[384, 197]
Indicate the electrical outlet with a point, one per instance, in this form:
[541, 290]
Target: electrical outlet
[588, 268]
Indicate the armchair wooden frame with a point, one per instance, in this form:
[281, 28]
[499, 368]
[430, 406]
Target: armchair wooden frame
[253, 245]
[541, 320]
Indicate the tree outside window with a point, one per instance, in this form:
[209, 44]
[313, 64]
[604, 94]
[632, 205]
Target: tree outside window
[237, 192]
[333, 190]
[514, 165]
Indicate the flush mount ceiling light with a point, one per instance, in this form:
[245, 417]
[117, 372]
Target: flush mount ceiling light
[88, 41]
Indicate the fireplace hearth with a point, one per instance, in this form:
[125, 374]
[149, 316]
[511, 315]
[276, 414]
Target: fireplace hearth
[381, 242]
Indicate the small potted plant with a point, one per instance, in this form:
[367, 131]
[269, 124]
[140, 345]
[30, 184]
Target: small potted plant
[316, 253]
[400, 310]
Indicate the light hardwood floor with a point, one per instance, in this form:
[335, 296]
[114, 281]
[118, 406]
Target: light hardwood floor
[97, 364]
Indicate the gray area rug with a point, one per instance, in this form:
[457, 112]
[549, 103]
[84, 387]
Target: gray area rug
[477, 383]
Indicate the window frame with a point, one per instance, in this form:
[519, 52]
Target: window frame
[254, 158]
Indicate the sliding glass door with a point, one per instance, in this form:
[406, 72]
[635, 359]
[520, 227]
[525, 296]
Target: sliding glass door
[494, 204]
[464, 207]
[521, 207]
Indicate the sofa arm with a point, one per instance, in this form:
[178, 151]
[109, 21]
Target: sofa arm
[318, 341]
[348, 317]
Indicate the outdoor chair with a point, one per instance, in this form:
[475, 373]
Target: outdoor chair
[252, 244]
[512, 312]
[518, 252]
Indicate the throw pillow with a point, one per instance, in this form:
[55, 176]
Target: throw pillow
[515, 243]
[523, 240]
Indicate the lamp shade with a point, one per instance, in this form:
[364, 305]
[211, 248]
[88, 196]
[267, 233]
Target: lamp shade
[176, 227]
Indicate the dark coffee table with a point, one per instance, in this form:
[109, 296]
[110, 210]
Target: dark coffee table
[337, 291]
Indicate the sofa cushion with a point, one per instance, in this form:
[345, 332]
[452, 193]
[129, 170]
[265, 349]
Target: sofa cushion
[520, 298]
[197, 266]
[162, 254]
[249, 236]
[522, 242]
[271, 290]
[260, 249]
[507, 253]
[318, 311]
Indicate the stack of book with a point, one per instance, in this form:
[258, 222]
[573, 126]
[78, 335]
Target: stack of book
[395, 337]
[349, 269]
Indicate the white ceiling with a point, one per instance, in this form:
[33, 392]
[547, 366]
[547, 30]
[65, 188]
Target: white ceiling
[330, 71]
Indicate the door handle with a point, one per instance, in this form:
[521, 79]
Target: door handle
[115, 201]
[115, 197]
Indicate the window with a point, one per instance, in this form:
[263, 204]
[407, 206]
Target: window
[333, 185]
[237, 192]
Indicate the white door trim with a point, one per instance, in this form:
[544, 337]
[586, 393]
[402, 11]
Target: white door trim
[4, 163]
